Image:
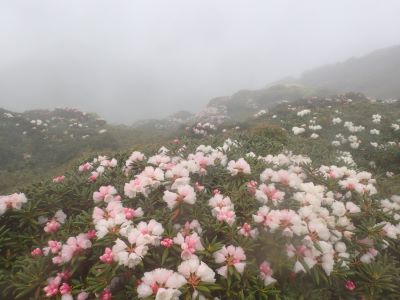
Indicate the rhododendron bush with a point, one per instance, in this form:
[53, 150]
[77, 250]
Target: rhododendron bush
[199, 223]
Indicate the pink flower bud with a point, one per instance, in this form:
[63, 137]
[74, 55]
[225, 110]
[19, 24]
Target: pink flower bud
[65, 288]
[167, 243]
[265, 269]
[91, 234]
[65, 275]
[107, 257]
[106, 295]
[54, 246]
[50, 290]
[58, 179]
[129, 213]
[350, 285]
[93, 177]
[252, 187]
[52, 226]
[36, 252]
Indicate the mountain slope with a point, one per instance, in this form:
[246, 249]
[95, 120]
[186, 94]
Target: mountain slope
[264, 211]
[376, 74]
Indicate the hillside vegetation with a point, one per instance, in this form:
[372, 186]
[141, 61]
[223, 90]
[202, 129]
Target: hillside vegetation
[41, 143]
[298, 202]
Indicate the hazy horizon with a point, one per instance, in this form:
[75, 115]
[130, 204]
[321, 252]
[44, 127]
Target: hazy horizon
[130, 60]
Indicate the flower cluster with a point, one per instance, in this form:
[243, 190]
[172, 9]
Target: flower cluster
[13, 201]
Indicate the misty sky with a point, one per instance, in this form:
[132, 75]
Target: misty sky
[128, 60]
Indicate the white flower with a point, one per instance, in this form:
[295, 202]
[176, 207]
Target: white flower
[395, 127]
[162, 283]
[239, 166]
[374, 131]
[336, 121]
[60, 216]
[303, 112]
[340, 247]
[338, 209]
[129, 255]
[184, 193]
[298, 130]
[352, 208]
[193, 269]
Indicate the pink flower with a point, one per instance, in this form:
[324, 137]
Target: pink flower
[350, 285]
[189, 244]
[53, 247]
[184, 193]
[75, 245]
[105, 193]
[65, 275]
[167, 242]
[226, 215]
[106, 294]
[65, 288]
[131, 213]
[51, 289]
[251, 187]
[36, 252]
[265, 193]
[82, 296]
[216, 192]
[230, 256]
[93, 176]
[198, 187]
[176, 141]
[55, 223]
[107, 257]
[58, 179]
[266, 273]
[263, 217]
[57, 260]
[85, 167]
[91, 234]
[246, 231]
[238, 167]
[300, 251]
[188, 228]
[52, 226]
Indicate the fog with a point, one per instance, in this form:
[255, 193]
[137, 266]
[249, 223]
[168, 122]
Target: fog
[128, 60]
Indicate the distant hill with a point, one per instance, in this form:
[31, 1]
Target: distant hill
[376, 75]
[246, 103]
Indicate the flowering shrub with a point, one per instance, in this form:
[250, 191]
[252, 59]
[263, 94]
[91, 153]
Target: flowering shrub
[242, 218]
[198, 223]
[364, 128]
